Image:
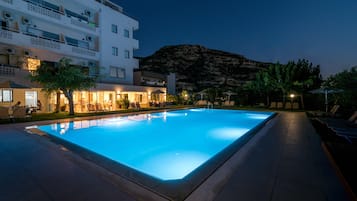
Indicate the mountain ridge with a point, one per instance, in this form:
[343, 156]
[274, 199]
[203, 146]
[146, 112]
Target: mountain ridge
[198, 67]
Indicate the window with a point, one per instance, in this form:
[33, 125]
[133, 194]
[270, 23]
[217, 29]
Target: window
[31, 98]
[126, 54]
[114, 28]
[5, 95]
[33, 64]
[114, 51]
[117, 72]
[126, 33]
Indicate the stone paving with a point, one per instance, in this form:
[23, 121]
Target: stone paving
[288, 163]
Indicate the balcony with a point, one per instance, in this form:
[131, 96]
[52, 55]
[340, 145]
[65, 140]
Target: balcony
[55, 14]
[47, 41]
[7, 70]
[44, 8]
[5, 34]
[88, 26]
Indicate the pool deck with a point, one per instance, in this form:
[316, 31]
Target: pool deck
[286, 163]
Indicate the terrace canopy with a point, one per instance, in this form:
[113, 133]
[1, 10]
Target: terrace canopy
[12, 85]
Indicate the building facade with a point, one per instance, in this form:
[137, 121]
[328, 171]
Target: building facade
[94, 34]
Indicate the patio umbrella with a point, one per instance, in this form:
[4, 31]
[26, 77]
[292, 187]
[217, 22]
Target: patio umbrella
[326, 92]
[12, 85]
[229, 93]
[202, 93]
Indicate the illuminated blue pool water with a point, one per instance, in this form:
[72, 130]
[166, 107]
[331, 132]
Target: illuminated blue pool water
[166, 145]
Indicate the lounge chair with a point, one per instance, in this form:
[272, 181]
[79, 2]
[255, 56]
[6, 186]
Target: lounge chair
[228, 103]
[341, 127]
[296, 106]
[279, 105]
[201, 102]
[334, 122]
[349, 133]
[331, 113]
[272, 105]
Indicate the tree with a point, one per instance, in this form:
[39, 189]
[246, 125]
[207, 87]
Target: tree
[262, 85]
[291, 77]
[347, 81]
[306, 78]
[64, 77]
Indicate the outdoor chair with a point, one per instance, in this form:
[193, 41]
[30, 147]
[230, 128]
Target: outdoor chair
[334, 122]
[288, 106]
[331, 113]
[279, 105]
[228, 103]
[272, 105]
[4, 113]
[346, 128]
[296, 106]
[20, 113]
[349, 133]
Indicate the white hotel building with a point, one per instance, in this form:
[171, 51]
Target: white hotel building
[95, 34]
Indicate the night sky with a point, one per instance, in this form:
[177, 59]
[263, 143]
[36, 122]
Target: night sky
[322, 31]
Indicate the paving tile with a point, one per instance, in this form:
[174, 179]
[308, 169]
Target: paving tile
[288, 165]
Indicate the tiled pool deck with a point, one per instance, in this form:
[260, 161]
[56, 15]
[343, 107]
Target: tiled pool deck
[286, 162]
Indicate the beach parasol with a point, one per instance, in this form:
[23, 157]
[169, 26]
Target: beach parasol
[326, 91]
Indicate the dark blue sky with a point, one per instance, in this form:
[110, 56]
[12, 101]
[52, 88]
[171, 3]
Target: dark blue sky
[322, 31]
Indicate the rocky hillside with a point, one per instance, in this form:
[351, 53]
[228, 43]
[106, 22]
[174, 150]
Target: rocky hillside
[197, 67]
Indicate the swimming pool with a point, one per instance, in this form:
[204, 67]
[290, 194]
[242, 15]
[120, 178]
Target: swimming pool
[164, 147]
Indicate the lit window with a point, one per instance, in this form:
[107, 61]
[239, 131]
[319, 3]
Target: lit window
[117, 72]
[126, 33]
[31, 98]
[5, 95]
[127, 54]
[33, 64]
[114, 28]
[114, 51]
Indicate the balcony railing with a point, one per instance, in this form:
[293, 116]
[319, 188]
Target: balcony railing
[45, 43]
[43, 11]
[7, 70]
[82, 51]
[5, 34]
[85, 25]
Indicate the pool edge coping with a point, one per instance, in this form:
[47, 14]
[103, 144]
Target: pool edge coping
[137, 190]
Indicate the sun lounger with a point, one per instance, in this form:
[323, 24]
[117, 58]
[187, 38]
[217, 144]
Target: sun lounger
[350, 134]
[272, 105]
[331, 113]
[228, 103]
[343, 128]
[296, 106]
[288, 106]
[334, 122]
